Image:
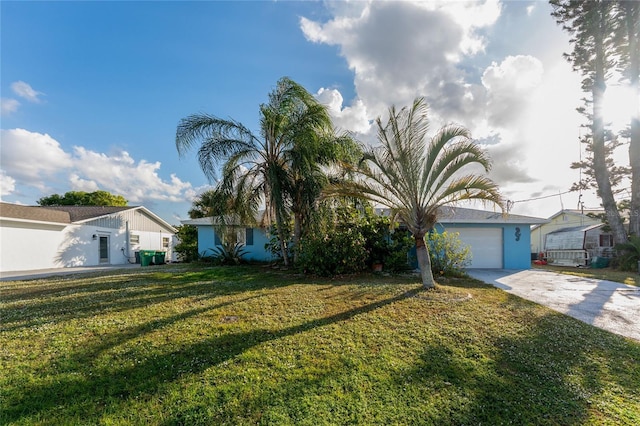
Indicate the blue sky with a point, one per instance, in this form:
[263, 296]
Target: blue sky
[92, 91]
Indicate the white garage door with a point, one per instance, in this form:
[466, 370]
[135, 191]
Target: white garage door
[486, 246]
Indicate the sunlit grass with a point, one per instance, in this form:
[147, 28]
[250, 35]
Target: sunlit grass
[193, 345]
[625, 277]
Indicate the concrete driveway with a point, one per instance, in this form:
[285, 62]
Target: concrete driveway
[609, 305]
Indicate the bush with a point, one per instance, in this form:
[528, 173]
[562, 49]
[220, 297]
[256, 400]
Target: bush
[335, 253]
[400, 257]
[228, 254]
[447, 253]
[187, 248]
[629, 254]
[347, 240]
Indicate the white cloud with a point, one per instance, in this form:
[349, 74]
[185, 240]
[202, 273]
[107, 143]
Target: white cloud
[25, 91]
[522, 105]
[33, 159]
[352, 117]
[510, 86]
[8, 105]
[119, 173]
[400, 50]
[7, 184]
[530, 9]
[37, 160]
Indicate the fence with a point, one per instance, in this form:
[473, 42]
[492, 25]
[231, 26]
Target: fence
[568, 257]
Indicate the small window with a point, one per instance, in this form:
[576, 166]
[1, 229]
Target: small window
[606, 240]
[249, 236]
[165, 242]
[134, 239]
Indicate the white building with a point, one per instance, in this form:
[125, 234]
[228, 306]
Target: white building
[34, 238]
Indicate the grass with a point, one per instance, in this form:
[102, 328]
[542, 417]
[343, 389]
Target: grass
[248, 345]
[625, 277]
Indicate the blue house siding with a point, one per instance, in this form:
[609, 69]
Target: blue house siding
[499, 241]
[207, 241]
[517, 246]
[516, 241]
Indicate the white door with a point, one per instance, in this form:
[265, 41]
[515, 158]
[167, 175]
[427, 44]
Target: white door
[485, 244]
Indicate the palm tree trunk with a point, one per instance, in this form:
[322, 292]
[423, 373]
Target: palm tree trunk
[422, 252]
[297, 235]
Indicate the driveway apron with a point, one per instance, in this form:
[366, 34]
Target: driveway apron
[609, 305]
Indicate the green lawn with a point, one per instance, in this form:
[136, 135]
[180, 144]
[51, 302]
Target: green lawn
[249, 345]
[625, 277]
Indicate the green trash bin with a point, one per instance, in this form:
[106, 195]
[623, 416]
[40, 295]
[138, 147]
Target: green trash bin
[146, 257]
[158, 257]
[599, 262]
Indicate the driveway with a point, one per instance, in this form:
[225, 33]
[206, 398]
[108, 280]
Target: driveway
[609, 305]
[44, 273]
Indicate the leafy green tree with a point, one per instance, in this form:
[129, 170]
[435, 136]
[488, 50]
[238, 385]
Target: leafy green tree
[629, 65]
[593, 27]
[277, 168]
[415, 175]
[81, 198]
[187, 248]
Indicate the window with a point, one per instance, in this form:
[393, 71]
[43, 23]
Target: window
[606, 240]
[134, 239]
[165, 242]
[249, 236]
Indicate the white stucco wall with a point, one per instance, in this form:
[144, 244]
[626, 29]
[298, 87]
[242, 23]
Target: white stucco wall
[25, 246]
[30, 246]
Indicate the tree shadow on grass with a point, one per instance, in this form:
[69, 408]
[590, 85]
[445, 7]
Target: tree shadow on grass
[100, 386]
[54, 302]
[545, 376]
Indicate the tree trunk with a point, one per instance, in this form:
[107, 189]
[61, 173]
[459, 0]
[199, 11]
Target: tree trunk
[283, 239]
[422, 252]
[599, 153]
[632, 16]
[297, 235]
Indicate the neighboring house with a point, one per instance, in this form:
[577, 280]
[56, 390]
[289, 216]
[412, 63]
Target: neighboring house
[34, 237]
[578, 245]
[562, 219]
[253, 239]
[496, 240]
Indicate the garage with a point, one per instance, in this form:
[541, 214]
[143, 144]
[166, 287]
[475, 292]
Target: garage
[486, 246]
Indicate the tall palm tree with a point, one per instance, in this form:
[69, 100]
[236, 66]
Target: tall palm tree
[259, 169]
[415, 175]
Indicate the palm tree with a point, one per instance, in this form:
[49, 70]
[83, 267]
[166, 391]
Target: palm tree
[415, 176]
[257, 170]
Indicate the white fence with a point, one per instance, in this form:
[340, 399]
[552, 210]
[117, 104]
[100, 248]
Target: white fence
[568, 257]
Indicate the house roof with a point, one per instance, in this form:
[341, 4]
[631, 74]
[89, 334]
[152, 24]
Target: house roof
[583, 228]
[207, 221]
[33, 213]
[465, 215]
[69, 214]
[81, 213]
[447, 215]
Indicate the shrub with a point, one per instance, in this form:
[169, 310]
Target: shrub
[629, 254]
[335, 253]
[187, 248]
[448, 255]
[400, 257]
[228, 254]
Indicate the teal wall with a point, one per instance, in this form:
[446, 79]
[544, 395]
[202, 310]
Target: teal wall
[256, 251]
[516, 249]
